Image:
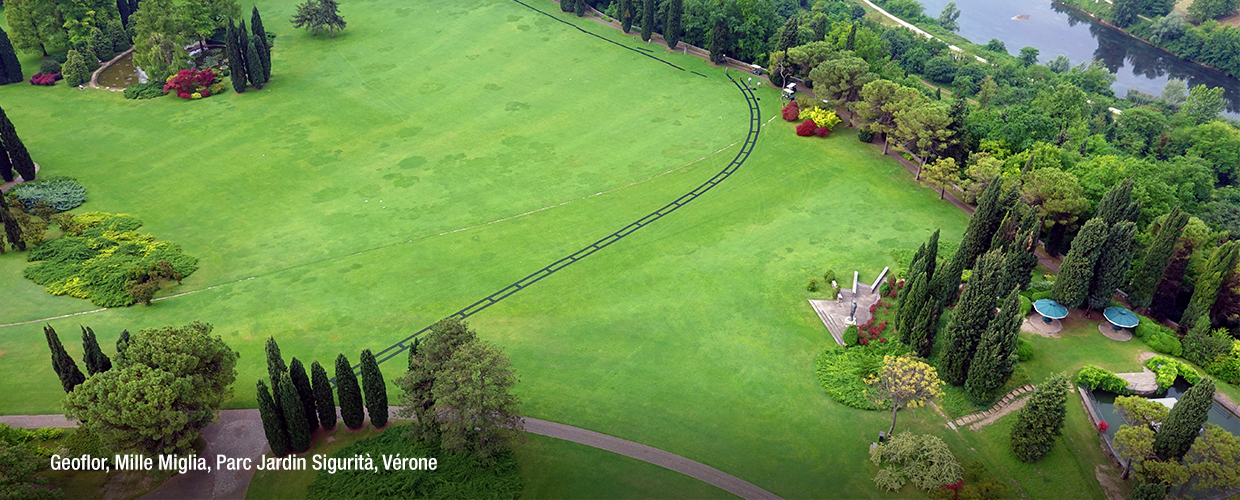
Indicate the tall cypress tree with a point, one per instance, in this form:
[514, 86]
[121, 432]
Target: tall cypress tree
[8, 59]
[788, 34]
[273, 422]
[671, 27]
[236, 59]
[982, 226]
[122, 343]
[350, 394]
[625, 9]
[906, 315]
[324, 401]
[254, 66]
[96, 361]
[970, 319]
[297, 373]
[1041, 420]
[294, 416]
[6, 166]
[1220, 266]
[932, 254]
[1177, 432]
[17, 151]
[648, 9]
[995, 358]
[946, 283]
[66, 368]
[264, 50]
[1077, 271]
[12, 230]
[925, 327]
[1019, 261]
[376, 390]
[850, 43]
[1150, 270]
[718, 41]
[1116, 204]
[275, 362]
[1113, 263]
[581, 8]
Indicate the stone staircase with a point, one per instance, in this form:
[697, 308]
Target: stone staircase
[998, 407]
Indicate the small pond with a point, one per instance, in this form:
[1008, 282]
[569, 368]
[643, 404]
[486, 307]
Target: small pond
[120, 74]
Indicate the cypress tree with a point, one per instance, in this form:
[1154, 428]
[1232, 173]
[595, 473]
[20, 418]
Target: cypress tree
[1019, 261]
[376, 390]
[788, 35]
[17, 151]
[932, 254]
[851, 42]
[982, 226]
[122, 8]
[324, 401]
[1113, 262]
[648, 20]
[1218, 269]
[718, 38]
[971, 318]
[1077, 271]
[297, 373]
[236, 59]
[581, 8]
[1149, 271]
[946, 284]
[671, 27]
[275, 363]
[625, 9]
[6, 166]
[906, 315]
[12, 230]
[273, 421]
[243, 44]
[1041, 420]
[995, 358]
[1114, 205]
[254, 66]
[1177, 432]
[96, 361]
[567, 5]
[350, 394]
[925, 328]
[8, 59]
[122, 343]
[294, 416]
[66, 368]
[264, 50]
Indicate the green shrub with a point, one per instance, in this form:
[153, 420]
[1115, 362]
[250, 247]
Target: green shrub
[884, 288]
[99, 264]
[49, 66]
[61, 193]
[1160, 338]
[457, 475]
[923, 459]
[1168, 369]
[865, 136]
[1026, 305]
[842, 372]
[148, 90]
[828, 276]
[1227, 367]
[1041, 286]
[850, 335]
[1024, 350]
[812, 286]
[1094, 377]
[1039, 295]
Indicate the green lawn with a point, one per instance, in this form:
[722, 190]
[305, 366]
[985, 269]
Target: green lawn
[337, 190]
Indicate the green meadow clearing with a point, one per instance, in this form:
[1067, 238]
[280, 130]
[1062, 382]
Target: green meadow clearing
[435, 152]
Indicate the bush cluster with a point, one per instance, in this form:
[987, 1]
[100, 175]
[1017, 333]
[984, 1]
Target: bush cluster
[457, 474]
[1024, 350]
[1160, 338]
[1226, 366]
[791, 111]
[1168, 369]
[924, 460]
[842, 371]
[1094, 377]
[806, 128]
[48, 66]
[45, 79]
[99, 263]
[192, 83]
[148, 90]
[60, 193]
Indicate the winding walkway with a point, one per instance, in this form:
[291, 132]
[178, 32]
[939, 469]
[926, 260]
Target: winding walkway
[239, 433]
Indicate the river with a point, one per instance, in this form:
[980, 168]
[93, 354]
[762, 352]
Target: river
[1054, 29]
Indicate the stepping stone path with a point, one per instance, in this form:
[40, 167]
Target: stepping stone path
[999, 407]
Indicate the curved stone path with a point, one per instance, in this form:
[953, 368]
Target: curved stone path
[1010, 402]
[239, 434]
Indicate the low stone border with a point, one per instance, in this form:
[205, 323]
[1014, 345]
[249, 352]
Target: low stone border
[998, 407]
[94, 77]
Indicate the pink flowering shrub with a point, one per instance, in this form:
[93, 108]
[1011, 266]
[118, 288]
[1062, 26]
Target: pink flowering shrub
[188, 82]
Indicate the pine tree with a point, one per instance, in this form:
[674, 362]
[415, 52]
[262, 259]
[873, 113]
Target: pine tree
[648, 20]
[236, 58]
[324, 401]
[264, 49]
[1220, 266]
[1143, 490]
[350, 394]
[788, 35]
[717, 41]
[1041, 420]
[1149, 272]
[1113, 262]
[12, 230]
[1177, 432]
[1077, 271]
[273, 421]
[970, 319]
[297, 373]
[66, 368]
[625, 9]
[254, 66]
[122, 343]
[8, 60]
[294, 416]
[983, 224]
[671, 27]
[17, 151]
[376, 390]
[96, 361]
[995, 358]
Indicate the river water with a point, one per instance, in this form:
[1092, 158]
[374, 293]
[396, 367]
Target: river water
[1054, 29]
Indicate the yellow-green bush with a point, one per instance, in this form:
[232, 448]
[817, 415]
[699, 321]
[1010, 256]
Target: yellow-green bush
[821, 117]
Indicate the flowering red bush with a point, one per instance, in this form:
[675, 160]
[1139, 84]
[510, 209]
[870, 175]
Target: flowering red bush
[188, 82]
[42, 79]
[806, 128]
[1103, 426]
[822, 131]
[792, 111]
